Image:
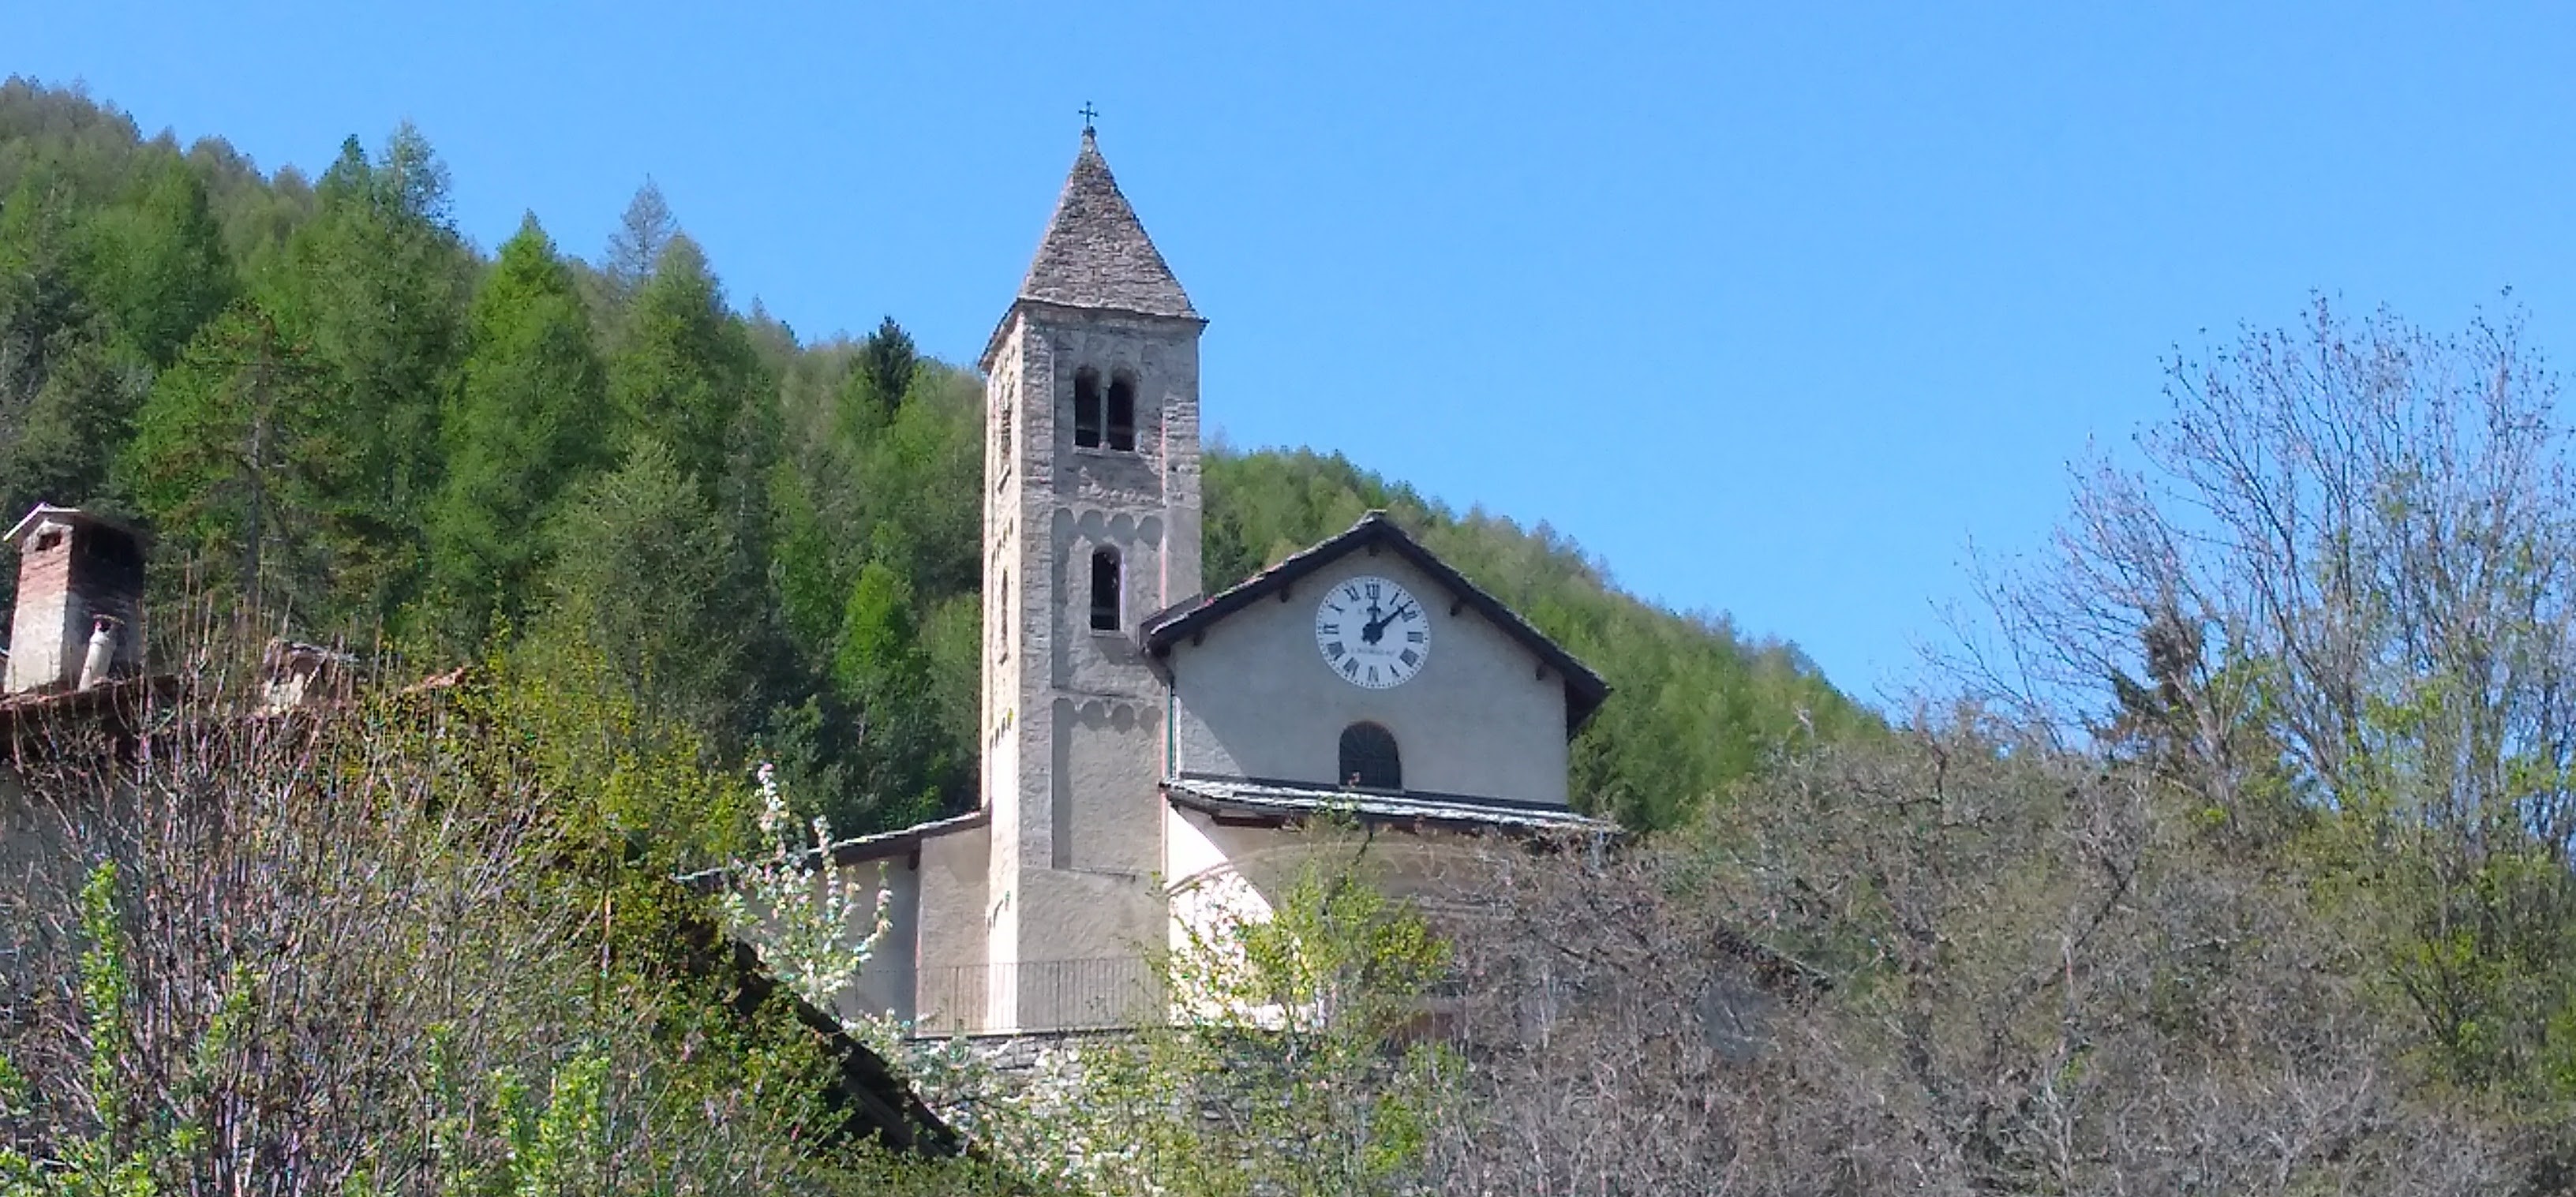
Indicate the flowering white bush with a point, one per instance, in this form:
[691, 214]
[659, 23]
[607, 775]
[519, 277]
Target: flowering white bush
[795, 904]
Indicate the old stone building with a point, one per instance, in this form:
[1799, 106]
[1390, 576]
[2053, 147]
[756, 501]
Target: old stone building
[1144, 741]
[78, 618]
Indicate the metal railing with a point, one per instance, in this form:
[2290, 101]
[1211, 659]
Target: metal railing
[1038, 995]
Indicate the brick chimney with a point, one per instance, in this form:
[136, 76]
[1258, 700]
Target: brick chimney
[80, 577]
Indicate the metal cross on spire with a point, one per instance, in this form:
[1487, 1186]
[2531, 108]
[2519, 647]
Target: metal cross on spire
[1089, 114]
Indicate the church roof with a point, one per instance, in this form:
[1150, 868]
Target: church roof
[1584, 689]
[1095, 253]
[1241, 797]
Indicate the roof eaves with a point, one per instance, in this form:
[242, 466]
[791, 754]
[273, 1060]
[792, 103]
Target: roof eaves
[1585, 689]
[73, 515]
[857, 850]
[1455, 812]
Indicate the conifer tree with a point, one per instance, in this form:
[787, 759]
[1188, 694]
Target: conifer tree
[686, 369]
[811, 588]
[159, 263]
[526, 421]
[646, 229]
[640, 573]
[886, 362]
[225, 457]
[64, 397]
[376, 287]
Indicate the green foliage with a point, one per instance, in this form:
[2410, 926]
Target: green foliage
[1294, 1061]
[64, 396]
[94, 1165]
[883, 667]
[374, 289]
[887, 360]
[228, 463]
[160, 263]
[452, 959]
[1291, 1064]
[640, 572]
[685, 370]
[528, 422]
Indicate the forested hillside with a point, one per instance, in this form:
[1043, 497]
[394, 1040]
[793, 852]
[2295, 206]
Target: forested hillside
[332, 410]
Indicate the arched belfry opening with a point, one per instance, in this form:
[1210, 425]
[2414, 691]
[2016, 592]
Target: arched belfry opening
[1122, 412]
[1089, 408]
[1105, 590]
[1369, 758]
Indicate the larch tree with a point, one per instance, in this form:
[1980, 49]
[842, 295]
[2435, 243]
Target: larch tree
[639, 573]
[160, 263]
[46, 321]
[528, 419]
[376, 286]
[643, 232]
[686, 369]
[226, 455]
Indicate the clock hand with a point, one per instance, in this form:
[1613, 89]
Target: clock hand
[1376, 628]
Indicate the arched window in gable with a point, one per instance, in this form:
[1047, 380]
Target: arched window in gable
[1369, 758]
[1122, 411]
[1088, 405]
[1104, 590]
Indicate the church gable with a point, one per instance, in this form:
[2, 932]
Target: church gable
[1365, 662]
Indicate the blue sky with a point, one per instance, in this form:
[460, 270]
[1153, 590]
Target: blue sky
[1773, 308]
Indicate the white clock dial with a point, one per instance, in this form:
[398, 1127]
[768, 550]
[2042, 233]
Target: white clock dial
[1372, 632]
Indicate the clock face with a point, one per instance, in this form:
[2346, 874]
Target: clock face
[1372, 632]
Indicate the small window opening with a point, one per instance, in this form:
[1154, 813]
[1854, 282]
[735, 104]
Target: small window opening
[1002, 620]
[1086, 408]
[1104, 590]
[1002, 441]
[1369, 758]
[1122, 413]
[48, 538]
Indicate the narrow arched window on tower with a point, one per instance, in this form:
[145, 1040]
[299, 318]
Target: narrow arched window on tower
[1086, 408]
[1002, 440]
[1122, 411]
[1369, 758]
[1104, 590]
[1002, 619]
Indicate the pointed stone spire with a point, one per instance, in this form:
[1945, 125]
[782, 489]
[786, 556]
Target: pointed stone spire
[1096, 254]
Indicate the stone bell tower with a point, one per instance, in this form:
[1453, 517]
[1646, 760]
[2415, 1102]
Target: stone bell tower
[1091, 523]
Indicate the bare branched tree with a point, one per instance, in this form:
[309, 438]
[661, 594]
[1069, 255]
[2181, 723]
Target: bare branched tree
[2334, 608]
[1935, 967]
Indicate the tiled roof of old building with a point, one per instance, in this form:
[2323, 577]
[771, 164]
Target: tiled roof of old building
[1095, 253]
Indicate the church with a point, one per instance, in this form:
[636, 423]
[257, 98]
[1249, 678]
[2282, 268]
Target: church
[1149, 749]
